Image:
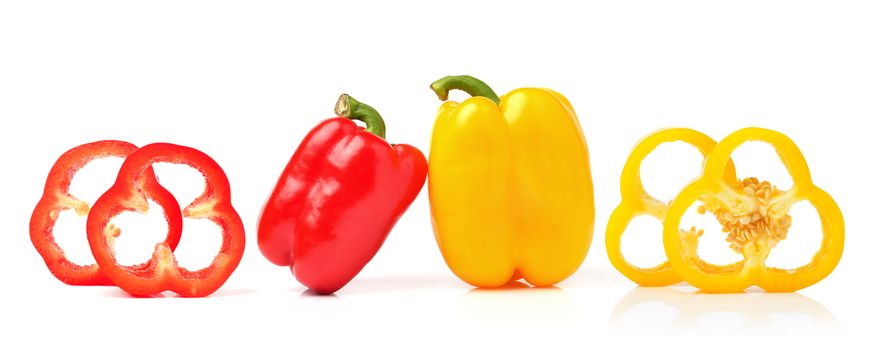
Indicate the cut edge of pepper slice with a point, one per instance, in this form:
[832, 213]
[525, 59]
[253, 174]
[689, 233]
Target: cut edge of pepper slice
[681, 244]
[56, 198]
[636, 201]
[162, 272]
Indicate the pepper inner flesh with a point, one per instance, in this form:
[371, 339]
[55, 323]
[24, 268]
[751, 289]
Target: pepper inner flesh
[751, 215]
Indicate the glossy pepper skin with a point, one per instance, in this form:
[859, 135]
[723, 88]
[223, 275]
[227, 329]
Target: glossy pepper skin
[161, 273]
[636, 201]
[57, 197]
[338, 198]
[755, 214]
[509, 185]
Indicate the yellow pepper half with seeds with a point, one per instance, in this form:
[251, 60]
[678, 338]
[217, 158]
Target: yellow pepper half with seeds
[754, 214]
[636, 201]
[509, 185]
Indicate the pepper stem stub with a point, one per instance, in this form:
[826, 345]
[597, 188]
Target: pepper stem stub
[350, 108]
[342, 107]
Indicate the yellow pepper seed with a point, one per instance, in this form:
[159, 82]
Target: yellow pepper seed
[754, 224]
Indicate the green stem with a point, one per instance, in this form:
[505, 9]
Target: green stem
[473, 86]
[348, 107]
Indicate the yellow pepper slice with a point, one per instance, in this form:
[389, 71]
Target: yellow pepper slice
[509, 185]
[755, 216]
[636, 201]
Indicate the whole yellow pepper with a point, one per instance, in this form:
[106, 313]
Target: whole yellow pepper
[509, 185]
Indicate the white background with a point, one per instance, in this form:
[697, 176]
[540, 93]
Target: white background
[245, 81]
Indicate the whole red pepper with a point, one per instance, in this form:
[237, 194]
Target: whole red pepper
[338, 198]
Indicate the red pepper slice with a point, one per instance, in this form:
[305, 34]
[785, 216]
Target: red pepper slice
[338, 198]
[161, 272]
[56, 198]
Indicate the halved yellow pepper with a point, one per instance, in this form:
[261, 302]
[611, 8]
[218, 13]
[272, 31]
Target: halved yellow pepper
[755, 215]
[636, 201]
[509, 185]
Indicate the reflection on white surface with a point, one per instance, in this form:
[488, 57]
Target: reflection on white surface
[669, 310]
[518, 307]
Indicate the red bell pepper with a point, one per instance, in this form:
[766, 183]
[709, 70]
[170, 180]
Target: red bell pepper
[338, 198]
[57, 197]
[130, 193]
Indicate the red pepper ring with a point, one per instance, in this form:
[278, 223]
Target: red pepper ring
[56, 198]
[162, 272]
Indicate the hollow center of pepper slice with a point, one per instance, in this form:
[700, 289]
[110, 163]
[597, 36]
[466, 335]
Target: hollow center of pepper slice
[750, 216]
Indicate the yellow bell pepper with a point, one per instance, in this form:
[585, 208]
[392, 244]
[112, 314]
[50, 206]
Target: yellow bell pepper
[755, 216]
[509, 185]
[636, 201]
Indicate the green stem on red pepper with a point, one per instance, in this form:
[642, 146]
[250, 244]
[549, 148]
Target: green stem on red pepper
[471, 85]
[349, 107]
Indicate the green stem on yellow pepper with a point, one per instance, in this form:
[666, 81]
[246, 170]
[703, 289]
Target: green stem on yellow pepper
[473, 86]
